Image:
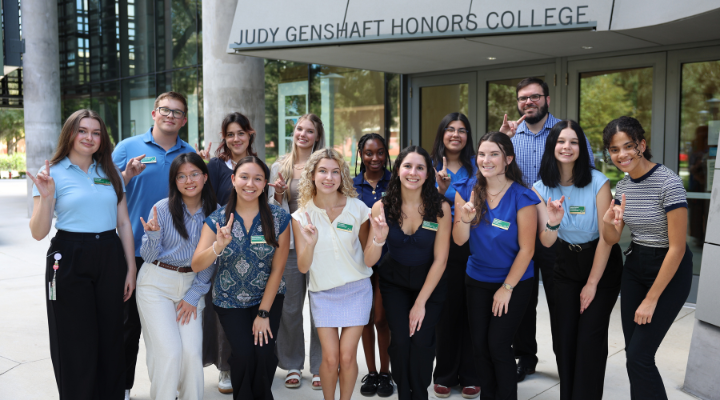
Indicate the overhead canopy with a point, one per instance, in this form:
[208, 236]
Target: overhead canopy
[426, 35]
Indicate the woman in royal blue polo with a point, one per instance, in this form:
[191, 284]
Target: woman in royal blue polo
[90, 267]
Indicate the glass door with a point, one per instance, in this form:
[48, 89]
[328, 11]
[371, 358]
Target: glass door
[432, 98]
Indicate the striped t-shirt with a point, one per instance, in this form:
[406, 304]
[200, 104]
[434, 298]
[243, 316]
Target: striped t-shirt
[648, 200]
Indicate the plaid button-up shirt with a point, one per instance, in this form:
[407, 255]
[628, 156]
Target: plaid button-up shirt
[529, 149]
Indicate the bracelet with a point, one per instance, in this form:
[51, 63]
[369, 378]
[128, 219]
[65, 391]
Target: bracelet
[216, 254]
[549, 227]
[465, 222]
[280, 193]
[378, 244]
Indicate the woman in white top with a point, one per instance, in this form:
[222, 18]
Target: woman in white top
[339, 284]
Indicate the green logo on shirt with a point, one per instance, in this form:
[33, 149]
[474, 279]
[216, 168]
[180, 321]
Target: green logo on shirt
[257, 239]
[344, 227]
[432, 226]
[577, 209]
[102, 181]
[501, 224]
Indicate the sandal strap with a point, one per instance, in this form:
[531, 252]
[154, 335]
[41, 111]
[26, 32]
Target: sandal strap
[316, 379]
[293, 374]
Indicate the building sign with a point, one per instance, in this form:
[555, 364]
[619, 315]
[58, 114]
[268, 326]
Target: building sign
[337, 22]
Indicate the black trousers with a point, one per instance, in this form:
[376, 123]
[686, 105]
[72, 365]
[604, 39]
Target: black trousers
[131, 333]
[642, 341]
[492, 336]
[252, 367]
[85, 321]
[411, 357]
[525, 344]
[454, 364]
[582, 339]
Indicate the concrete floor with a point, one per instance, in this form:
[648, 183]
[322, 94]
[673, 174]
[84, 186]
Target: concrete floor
[26, 370]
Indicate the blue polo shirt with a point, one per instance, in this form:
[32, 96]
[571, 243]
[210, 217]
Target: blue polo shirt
[152, 184]
[365, 193]
[82, 204]
[457, 177]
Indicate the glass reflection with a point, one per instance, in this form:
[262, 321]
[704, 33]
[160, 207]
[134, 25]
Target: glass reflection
[435, 103]
[502, 99]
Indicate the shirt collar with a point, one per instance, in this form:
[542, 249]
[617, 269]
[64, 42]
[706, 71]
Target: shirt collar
[66, 163]
[549, 123]
[199, 210]
[360, 178]
[179, 143]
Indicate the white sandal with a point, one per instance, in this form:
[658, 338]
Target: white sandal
[293, 374]
[316, 379]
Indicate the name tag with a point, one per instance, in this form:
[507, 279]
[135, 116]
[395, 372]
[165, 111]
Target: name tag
[382, 194]
[102, 181]
[577, 209]
[431, 226]
[257, 239]
[344, 227]
[148, 160]
[501, 224]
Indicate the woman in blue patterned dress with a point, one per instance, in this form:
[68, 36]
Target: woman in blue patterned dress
[251, 245]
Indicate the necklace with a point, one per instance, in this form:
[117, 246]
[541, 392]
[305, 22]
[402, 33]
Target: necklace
[498, 193]
[370, 182]
[300, 167]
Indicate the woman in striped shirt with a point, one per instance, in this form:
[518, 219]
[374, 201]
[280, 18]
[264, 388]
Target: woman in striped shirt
[170, 296]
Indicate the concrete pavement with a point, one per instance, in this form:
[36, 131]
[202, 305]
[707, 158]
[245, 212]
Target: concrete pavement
[26, 371]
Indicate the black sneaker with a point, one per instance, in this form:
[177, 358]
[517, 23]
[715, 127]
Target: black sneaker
[370, 384]
[385, 386]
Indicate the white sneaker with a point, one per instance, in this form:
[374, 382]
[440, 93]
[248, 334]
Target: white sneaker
[127, 395]
[224, 384]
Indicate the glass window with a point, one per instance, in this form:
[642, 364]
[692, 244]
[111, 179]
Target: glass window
[137, 101]
[502, 99]
[104, 100]
[699, 131]
[177, 33]
[286, 95]
[392, 115]
[606, 95]
[435, 103]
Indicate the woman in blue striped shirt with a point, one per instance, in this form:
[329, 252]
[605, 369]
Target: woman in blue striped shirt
[169, 294]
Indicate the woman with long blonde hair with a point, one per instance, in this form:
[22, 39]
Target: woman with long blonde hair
[338, 279]
[285, 173]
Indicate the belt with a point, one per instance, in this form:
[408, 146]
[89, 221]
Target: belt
[172, 267]
[578, 247]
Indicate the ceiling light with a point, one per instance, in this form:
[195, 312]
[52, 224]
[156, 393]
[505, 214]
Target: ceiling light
[587, 47]
[491, 58]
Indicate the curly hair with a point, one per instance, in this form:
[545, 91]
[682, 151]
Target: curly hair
[632, 128]
[306, 186]
[512, 173]
[431, 208]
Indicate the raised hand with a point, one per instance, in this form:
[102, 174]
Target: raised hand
[224, 233]
[279, 185]
[309, 232]
[555, 210]
[510, 127]
[379, 226]
[152, 225]
[442, 178]
[205, 154]
[468, 211]
[44, 182]
[134, 168]
[614, 214]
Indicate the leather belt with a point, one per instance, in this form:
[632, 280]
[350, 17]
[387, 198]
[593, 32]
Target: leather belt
[172, 267]
[578, 247]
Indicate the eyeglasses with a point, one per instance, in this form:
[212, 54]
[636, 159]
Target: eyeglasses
[450, 129]
[193, 177]
[533, 98]
[164, 111]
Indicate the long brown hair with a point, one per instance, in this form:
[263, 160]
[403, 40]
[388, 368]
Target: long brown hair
[223, 152]
[102, 156]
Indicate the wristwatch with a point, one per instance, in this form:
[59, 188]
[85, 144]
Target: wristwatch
[508, 286]
[263, 314]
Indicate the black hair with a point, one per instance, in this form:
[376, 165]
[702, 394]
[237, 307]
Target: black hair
[512, 173]
[361, 146]
[175, 202]
[431, 199]
[529, 81]
[438, 149]
[632, 128]
[549, 169]
[266, 218]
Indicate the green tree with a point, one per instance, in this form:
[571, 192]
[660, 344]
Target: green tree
[12, 127]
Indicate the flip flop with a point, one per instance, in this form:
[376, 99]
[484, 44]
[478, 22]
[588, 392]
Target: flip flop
[293, 374]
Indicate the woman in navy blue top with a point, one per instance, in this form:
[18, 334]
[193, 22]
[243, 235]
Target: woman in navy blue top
[418, 239]
[371, 184]
[497, 214]
[453, 155]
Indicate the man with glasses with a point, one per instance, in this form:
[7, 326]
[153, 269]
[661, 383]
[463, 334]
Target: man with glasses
[528, 135]
[144, 161]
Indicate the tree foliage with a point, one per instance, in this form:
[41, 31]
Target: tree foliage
[12, 127]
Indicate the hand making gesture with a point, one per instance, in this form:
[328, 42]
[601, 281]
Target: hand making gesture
[614, 214]
[510, 127]
[468, 211]
[279, 185]
[379, 226]
[224, 233]
[442, 178]
[555, 211]
[309, 232]
[44, 182]
[134, 168]
[205, 154]
[152, 225]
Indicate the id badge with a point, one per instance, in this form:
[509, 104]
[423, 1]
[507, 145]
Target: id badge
[149, 160]
[431, 226]
[257, 239]
[344, 227]
[501, 224]
[102, 181]
[577, 210]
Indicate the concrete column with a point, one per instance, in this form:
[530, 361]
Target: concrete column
[230, 82]
[701, 376]
[41, 84]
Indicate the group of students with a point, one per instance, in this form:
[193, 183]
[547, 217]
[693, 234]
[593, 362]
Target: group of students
[436, 253]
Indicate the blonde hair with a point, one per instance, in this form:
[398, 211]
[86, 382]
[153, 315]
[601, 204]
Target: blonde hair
[288, 160]
[306, 186]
